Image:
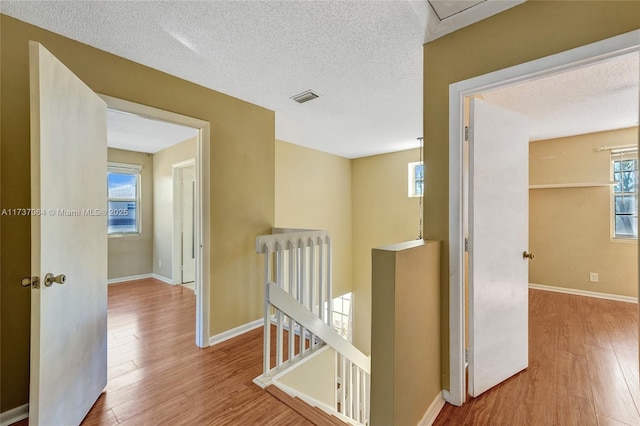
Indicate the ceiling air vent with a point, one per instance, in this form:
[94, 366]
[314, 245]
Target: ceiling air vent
[305, 96]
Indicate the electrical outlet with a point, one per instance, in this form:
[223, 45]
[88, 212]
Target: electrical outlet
[593, 277]
[159, 263]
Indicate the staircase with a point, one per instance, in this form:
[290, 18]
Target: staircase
[298, 328]
[309, 412]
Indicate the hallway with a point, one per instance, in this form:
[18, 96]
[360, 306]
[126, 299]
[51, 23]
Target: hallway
[157, 375]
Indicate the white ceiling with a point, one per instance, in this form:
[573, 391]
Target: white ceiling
[140, 134]
[364, 58]
[601, 97]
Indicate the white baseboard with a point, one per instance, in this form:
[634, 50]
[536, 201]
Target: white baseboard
[131, 278]
[432, 412]
[616, 297]
[14, 415]
[234, 332]
[162, 278]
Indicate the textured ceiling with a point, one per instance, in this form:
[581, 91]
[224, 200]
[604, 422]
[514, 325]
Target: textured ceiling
[601, 97]
[364, 58]
[135, 133]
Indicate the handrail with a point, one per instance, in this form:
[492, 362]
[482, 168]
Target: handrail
[298, 304]
[287, 304]
[276, 242]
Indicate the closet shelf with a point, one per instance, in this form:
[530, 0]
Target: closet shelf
[572, 185]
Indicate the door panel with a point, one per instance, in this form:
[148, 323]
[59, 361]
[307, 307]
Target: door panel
[68, 236]
[188, 223]
[498, 235]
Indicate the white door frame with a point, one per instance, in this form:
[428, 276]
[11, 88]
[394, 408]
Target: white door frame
[571, 59]
[176, 243]
[203, 202]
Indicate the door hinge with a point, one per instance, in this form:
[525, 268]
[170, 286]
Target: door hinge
[466, 244]
[466, 133]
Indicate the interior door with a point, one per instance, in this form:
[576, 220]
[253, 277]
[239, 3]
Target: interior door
[188, 224]
[68, 236]
[498, 236]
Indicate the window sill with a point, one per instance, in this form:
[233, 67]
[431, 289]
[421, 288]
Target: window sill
[572, 185]
[128, 235]
[625, 240]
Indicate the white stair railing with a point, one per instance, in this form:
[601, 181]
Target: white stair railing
[298, 289]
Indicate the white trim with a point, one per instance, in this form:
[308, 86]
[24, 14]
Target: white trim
[162, 278]
[571, 59]
[264, 381]
[235, 332]
[301, 362]
[314, 403]
[437, 28]
[14, 415]
[176, 239]
[203, 203]
[608, 296]
[129, 278]
[432, 412]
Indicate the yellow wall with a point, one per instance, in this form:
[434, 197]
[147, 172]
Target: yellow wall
[133, 254]
[382, 214]
[405, 346]
[314, 378]
[163, 203]
[313, 191]
[241, 187]
[526, 32]
[570, 228]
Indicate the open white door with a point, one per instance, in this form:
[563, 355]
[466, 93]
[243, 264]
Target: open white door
[68, 236]
[498, 236]
[188, 224]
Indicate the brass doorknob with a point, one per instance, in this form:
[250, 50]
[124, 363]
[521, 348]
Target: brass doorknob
[49, 279]
[28, 282]
[529, 256]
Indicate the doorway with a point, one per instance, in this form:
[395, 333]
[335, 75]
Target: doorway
[199, 208]
[573, 59]
[184, 223]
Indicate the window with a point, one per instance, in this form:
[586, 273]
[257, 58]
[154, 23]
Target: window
[341, 315]
[416, 179]
[123, 203]
[625, 194]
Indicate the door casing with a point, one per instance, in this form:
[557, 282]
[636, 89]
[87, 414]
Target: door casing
[564, 61]
[177, 254]
[203, 203]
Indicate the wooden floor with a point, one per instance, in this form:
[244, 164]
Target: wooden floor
[583, 369]
[158, 376]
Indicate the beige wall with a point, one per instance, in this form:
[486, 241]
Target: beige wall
[313, 191]
[163, 203]
[570, 228]
[312, 377]
[132, 254]
[241, 184]
[526, 32]
[405, 345]
[382, 214]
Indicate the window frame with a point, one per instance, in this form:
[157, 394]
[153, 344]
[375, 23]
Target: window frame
[411, 174]
[126, 169]
[622, 155]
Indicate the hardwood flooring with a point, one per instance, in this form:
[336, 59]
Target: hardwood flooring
[583, 369]
[158, 376]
